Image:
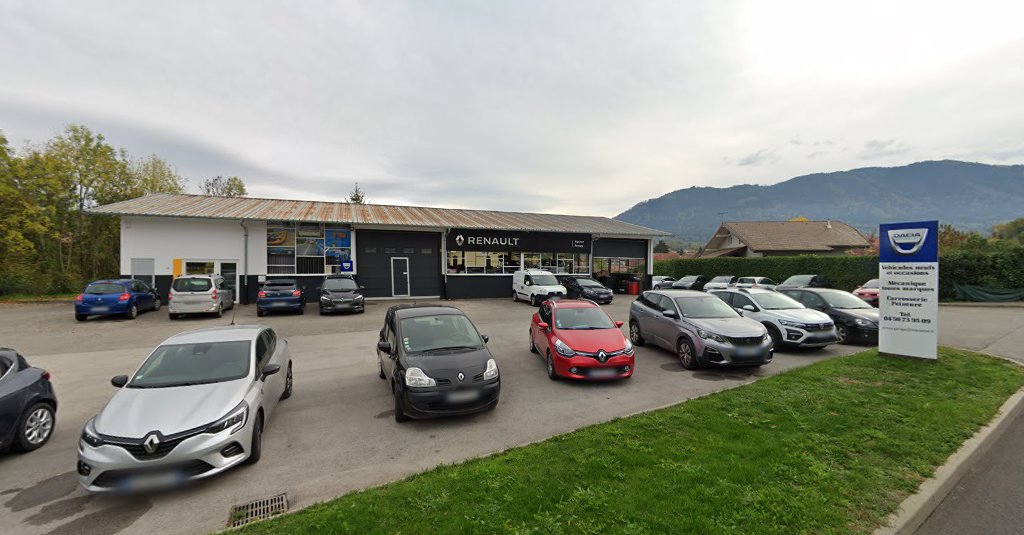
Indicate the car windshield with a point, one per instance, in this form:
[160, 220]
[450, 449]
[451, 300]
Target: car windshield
[589, 283]
[702, 307]
[798, 280]
[873, 283]
[339, 285]
[191, 285]
[688, 278]
[424, 334]
[194, 364]
[578, 319]
[544, 280]
[775, 301]
[722, 278]
[765, 280]
[840, 299]
[103, 288]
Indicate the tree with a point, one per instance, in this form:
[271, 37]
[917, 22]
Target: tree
[1011, 230]
[223, 187]
[661, 247]
[953, 239]
[357, 196]
[156, 175]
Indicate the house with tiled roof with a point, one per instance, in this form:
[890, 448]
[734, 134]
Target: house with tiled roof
[784, 238]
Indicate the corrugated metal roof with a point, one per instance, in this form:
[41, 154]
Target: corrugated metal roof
[203, 206]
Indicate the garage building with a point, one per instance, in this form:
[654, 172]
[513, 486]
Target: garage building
[393, 251]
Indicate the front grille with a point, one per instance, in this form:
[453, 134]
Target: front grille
[817, 326]
[231, 450]
[113, 478]
[610, 354]
[745, 341]
[443, 382]
[138, 450]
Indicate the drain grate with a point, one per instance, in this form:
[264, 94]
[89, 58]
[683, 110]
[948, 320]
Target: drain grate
[241, 515]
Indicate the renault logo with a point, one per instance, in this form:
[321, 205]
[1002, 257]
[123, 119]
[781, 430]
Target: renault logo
[151, 443]
[602, 356]
[461, 376]
[907, 241]
[459, 240]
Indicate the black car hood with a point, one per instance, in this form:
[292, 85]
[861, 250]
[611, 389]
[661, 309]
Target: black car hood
[448, 364]
[341, 294]
[870, 314]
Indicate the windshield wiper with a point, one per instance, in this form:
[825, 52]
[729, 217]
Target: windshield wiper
[448, 348]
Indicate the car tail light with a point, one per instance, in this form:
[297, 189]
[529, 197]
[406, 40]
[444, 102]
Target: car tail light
[124, 297]
[213, 294]
[79, 298]
[169, 297]
[296, 293]
[46, 375]
[262, 294]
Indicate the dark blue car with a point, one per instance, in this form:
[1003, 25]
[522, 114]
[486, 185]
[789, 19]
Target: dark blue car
[280, 295]
[28, 406]
[116, 298]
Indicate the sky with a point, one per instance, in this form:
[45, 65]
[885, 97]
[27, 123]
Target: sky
[578, 107]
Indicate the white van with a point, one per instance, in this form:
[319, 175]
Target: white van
[535, 285]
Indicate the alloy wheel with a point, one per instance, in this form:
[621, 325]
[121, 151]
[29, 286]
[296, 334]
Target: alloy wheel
[38, 426]
[634, 332]
[841, 334]
[686, 356]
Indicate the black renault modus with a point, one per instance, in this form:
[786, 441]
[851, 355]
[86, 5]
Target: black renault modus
[436, 362]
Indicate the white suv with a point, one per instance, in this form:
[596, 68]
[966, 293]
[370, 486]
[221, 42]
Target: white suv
[535, 285]
[788, 322]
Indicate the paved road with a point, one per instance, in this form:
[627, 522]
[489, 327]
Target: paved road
[989, 500]
[335, 435]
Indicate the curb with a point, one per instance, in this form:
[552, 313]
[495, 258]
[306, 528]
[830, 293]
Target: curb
[914, 510]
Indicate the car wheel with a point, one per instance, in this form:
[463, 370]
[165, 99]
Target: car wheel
[533, 346]
[81, 317]
[220, 310]
[380, 369]
[773, 331]
[261, 313]
[256, 447]
[302, 310]
[515, 296]
[321, 311]
[400, 415]
[842, 335]
[551, 368]
[533, 300]
[133, 312]
[35, 427]
[634, 334]
[287, 383]
[687, 354]
[156, 304]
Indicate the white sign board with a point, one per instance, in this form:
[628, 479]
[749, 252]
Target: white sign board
[908, 289]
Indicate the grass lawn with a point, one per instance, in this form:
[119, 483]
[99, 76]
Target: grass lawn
[830, 448]
[29, 298]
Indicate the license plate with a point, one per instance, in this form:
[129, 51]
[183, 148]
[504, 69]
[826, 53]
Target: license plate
[463, 396]
[604, 372]
[100, 309]
[153, 481]
[747, 351]
[278, 304]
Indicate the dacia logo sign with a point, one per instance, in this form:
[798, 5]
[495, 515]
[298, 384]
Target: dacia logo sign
[907, 241]
[459, 240]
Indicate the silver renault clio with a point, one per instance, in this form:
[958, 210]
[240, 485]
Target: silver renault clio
[194, 408]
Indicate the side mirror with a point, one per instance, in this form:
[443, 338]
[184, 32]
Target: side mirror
[750, 308]
[118, 381]
[361, 287]
[528, 283]
[384, 346]
[485, 338]
[319, 288]
[619, 323]
[271, 369]
[668, 313]
[543, 326]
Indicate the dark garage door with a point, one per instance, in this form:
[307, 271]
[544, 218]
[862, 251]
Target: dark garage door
[381, 274]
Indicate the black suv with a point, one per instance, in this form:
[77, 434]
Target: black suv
[341, 293]
[805, 281]
[584, 287]
[690, 282]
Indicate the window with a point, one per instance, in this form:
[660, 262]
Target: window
[812, 300]
[426, 251]
[143, 269]
[724, 296]
[262, 353]
[195, 363]
[740, 301]
[476, 262]
[370, 250]
[545, 313]
[408, 250]
[192, 285]
[306, 248]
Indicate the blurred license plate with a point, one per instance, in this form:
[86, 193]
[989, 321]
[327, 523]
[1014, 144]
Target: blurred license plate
[463, 396]
[604, 372]
[747, 351]
[153, 481]
[100, 309]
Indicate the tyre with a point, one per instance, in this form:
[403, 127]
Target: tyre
[256, 446]
[220, 310]
[157, 304]
[287, 383]
[687, 354]
[133, 312]
[533, 346]
[533, 300]
[634, 334]
[773, 331]
[551, 368]
[302, 310]
[842, 334]
[174, 316]
[321, 311]
[81, 317]
[400, 415]
[260, 312]
[35, 427]
[380, 370]
[515, 296]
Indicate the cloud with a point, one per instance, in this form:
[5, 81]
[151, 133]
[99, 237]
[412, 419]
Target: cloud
[881, 148]
[761, 157]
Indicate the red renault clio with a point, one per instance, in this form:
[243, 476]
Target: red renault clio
[578, 340]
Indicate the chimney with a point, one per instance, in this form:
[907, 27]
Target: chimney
[828, 224]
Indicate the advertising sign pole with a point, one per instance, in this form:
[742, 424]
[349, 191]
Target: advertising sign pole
[908, 296]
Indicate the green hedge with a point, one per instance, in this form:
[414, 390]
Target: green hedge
[993, 269]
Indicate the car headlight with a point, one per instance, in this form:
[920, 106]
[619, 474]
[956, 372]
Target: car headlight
[416, 378]
[629, 346]
[708, 335]
[563, 349]
[864, 323]
[795, 324]
[89, 435]
[765, 337]
[358, 297]
[325, 298]
[492, 370]
[234, 420]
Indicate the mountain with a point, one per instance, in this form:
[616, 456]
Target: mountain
[971, 196]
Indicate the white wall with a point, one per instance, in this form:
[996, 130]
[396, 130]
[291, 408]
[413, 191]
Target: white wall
[167, 238]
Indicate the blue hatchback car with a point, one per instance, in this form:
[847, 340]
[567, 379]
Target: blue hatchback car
[280, 295]
[122, 297]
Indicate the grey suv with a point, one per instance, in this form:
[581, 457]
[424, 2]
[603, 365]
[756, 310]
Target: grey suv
[788, 321]
[700, 328]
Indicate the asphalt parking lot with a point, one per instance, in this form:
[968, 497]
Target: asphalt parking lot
[336, 434]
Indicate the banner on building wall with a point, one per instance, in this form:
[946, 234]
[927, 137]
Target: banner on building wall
[908, 295]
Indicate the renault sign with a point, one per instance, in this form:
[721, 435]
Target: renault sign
[908, 295]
